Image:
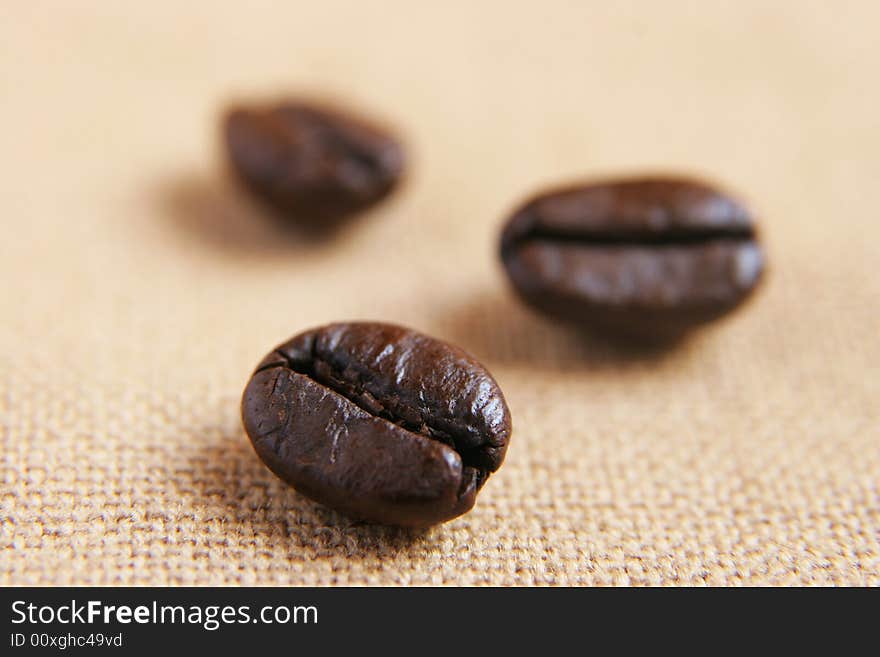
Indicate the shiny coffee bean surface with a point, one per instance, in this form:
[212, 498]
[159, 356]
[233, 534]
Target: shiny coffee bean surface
[378, 421]
[642, 258]
[317, 165]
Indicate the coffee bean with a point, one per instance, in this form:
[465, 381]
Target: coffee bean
[378, 421]
[315, 164]
[647, 257]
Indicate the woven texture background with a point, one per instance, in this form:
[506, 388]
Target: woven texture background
[140, 288]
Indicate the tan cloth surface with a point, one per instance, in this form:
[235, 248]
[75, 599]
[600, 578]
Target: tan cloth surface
[140, 288]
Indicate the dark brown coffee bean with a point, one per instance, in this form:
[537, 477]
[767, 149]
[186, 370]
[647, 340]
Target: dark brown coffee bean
[315, 164]
[648, 257]
[378, 421]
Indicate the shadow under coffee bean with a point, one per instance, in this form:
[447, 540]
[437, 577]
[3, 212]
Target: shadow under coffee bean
[647, 258]
[316, 165]
[378, 421]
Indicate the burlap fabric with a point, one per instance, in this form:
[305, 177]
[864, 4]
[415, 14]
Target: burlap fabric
[140, 288]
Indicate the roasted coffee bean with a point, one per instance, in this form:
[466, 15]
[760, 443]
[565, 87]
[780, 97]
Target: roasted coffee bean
[647, 257]
[315, 164]
[378, 421]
